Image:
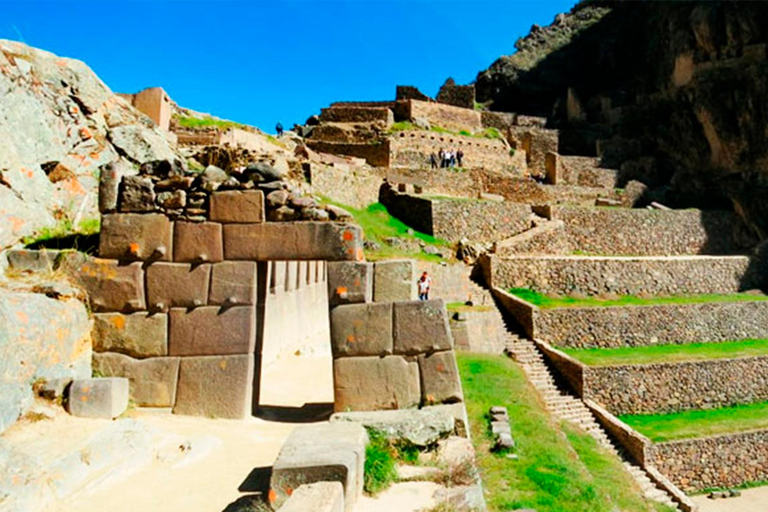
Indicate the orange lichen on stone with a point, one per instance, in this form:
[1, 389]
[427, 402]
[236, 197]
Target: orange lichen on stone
[22, 317]
[348, 236]
[134, 248]
[118, 322]
[341, 290]
[223, 364]
[351, 338]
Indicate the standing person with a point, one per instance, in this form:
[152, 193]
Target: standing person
[432, 161]
[441, 156]
[279, 129]
[459, 156]
[452, 159]
[424, 282]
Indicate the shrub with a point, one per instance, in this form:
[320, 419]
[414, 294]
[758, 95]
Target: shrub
[380, 463]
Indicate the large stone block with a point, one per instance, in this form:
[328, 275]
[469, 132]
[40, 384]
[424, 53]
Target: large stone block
[421, 326]
[98, 398]
[110, 177]
[137, 335]
[330, 241]
[197, 242]
[321, 453]
[152, 381]
[350, 282]
[33, 261]
[317, 497]
[109, 285]
[419, 427]
[215, 386]
[212, 331]
[375, 383]
[128, 237]
[395, 280]
[137, 194]
[233, 283]
[173, 285]
[440, 381]
[237, 206]
[362, 330]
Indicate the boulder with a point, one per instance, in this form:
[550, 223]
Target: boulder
[264, 172]
[277, 198]
[213, 174]
[418, 427]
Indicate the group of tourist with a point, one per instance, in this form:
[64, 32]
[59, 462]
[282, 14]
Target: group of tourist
[450, 158]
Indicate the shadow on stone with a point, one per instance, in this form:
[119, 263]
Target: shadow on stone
[307, 413]
[84, 243]
[249, 503]
[257, 480]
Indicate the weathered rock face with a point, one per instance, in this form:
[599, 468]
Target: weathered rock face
[58, 124]
[682, 82]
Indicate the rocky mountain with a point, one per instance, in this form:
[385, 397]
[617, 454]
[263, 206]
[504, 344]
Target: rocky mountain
[676, 93]
[58, 124]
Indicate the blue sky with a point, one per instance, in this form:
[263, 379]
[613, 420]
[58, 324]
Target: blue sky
[258, 62]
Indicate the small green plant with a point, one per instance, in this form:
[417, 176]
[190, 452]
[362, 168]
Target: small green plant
[34, 417]
[465, 133]
[380, 463]
[512, 152]
[207, 122]
[407, 453]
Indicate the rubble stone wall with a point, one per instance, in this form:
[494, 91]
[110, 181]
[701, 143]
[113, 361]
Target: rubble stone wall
[536, 142]
[588, 275]
[357, 114]
[673, 387]
[376, 154]
[412, 148]
[636, 232]
[442, 115]
[740, 458]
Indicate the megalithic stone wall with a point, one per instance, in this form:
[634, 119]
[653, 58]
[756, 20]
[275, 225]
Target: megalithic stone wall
[394, 353]
[175, 293]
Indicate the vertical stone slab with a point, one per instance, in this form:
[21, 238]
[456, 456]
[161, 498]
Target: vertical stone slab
[152, 381]
[234, 206]
[374, 383]
[109, 285]
[215, 386]
[350, 282]
[440, 381]
[421, 327]
[110, 176]
[172, 285]
[293, 241]
[130, 237]
[197, 242]
[137, 335]
[394, 280]
[233, 283]
[362, 330]
[212, 331]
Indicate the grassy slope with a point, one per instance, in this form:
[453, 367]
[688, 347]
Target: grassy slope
[688, 424]
[379, 225]
[551, 474]
[669, 353]
[546, 302]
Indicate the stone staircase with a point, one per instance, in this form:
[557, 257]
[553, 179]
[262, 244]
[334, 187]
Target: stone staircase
[564, 405]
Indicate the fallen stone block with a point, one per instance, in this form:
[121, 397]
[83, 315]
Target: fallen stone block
[418, 427]
[233, 283]
[109, 285]
[497, 409]
[350, 282]
[279, 241]
[152, 381]
[455, 453]
[421, 327]
[174, 285]
[394, 281]
[504, 441]
[130, 237]
[137, 335]
[237, 206]
[375, 383]
[211, 331]
[500, 427]
[362, 330]
[32, 261]
[318, 497]
[98, 398]
[440, 378]
[459, 413]
[198, 242]
[215, 386]
[321, 453]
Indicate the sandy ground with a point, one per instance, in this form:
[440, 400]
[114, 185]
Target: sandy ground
[751, 500]
[403, 497]
[224, 452]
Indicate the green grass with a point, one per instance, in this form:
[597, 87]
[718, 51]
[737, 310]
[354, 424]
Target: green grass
[691, 424]
[669, 353]
[553, 473]
[460, 306]
[488, 133]
[206, 122]
[378, 225]
[547, 302]
[64, 228]
[380, 463]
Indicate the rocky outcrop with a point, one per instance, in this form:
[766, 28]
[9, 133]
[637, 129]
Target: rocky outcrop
[58, 124]
[683, 84]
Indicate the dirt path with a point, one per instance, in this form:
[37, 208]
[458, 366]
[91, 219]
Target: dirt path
[751, 500]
